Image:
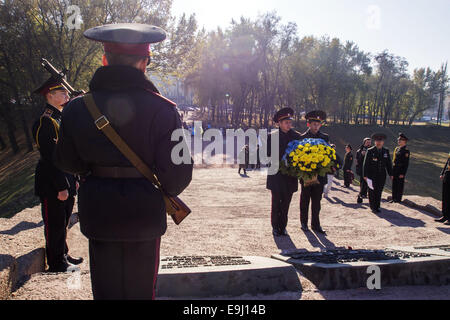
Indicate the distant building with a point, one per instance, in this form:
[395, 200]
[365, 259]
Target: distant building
[174, 89]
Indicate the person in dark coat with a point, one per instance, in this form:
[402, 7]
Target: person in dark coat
[56, 189]
[445, 177]
[400, 168]
[121, 212]
[360, 155]
[313, 193]
[244, 159]
[376, 163]
[281, 186]
[348, 163]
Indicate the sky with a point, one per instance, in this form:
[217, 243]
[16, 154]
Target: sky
[418, 30]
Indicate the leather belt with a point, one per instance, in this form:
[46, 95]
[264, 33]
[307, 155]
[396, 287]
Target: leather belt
[116, 172]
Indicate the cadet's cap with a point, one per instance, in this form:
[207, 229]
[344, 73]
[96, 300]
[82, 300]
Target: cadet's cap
[284, 114]
[50, 85]
[379, 136]
[401, 136]
[316, 116]
[349, 146]
[127, 38]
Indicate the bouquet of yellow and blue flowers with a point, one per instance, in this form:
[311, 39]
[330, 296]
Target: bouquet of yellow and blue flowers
[308, 159]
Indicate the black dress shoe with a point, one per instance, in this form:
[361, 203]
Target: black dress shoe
[447, 223]
[63, 268]
[360, 200]
[305, 228]
[442, 220]
[319, 230]
[75, 261]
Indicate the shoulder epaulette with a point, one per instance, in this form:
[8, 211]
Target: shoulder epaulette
[162, 97]
[47, 113]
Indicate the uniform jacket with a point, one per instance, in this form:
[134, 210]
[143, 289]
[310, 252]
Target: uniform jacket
[49, 180]
[401, 161]
[377, 163]
[122, 209]
[319, 135]
[279, 182]
[348, 161]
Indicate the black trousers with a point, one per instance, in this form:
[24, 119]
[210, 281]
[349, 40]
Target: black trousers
[56, 214]
[312, 194]
[347, 178]
[280, 210]
[363, 187]
[398, 186]
[375, 195]
[446, 195]
[124, 270]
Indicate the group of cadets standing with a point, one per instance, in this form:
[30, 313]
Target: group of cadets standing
[123, 214]
[373, 165]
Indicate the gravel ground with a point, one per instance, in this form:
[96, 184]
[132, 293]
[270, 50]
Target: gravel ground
[231, 216]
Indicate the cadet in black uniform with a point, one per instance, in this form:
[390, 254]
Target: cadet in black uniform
[122, 213]
[282, 186]
[445, 177]
[376, 163]
[55, 189]
[400, 168]
[348, 163]
[313, 193]
[360, 155]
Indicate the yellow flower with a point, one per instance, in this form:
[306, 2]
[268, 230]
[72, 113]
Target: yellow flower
[314, 166]
[291, 154]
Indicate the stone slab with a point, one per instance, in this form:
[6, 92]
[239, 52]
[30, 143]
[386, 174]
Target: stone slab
[432, 270]
[259, 276]
[436, 250]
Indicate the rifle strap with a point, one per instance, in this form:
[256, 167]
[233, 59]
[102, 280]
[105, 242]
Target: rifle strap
[103, 124]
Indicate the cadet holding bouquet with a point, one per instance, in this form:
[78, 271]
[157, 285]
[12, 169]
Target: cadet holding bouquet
[310, 159]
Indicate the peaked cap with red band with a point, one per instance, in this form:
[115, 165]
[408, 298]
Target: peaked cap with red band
[127, 38]
[50, 85]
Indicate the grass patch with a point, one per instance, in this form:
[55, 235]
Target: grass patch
[17, 183]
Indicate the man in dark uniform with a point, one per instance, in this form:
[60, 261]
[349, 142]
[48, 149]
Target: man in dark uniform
[360, 155]
[376, 163]
[445, 177]
[400, 168]
[348, 163]
[55, 189]
[122, 213]
[313, 193]
[282, 186]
